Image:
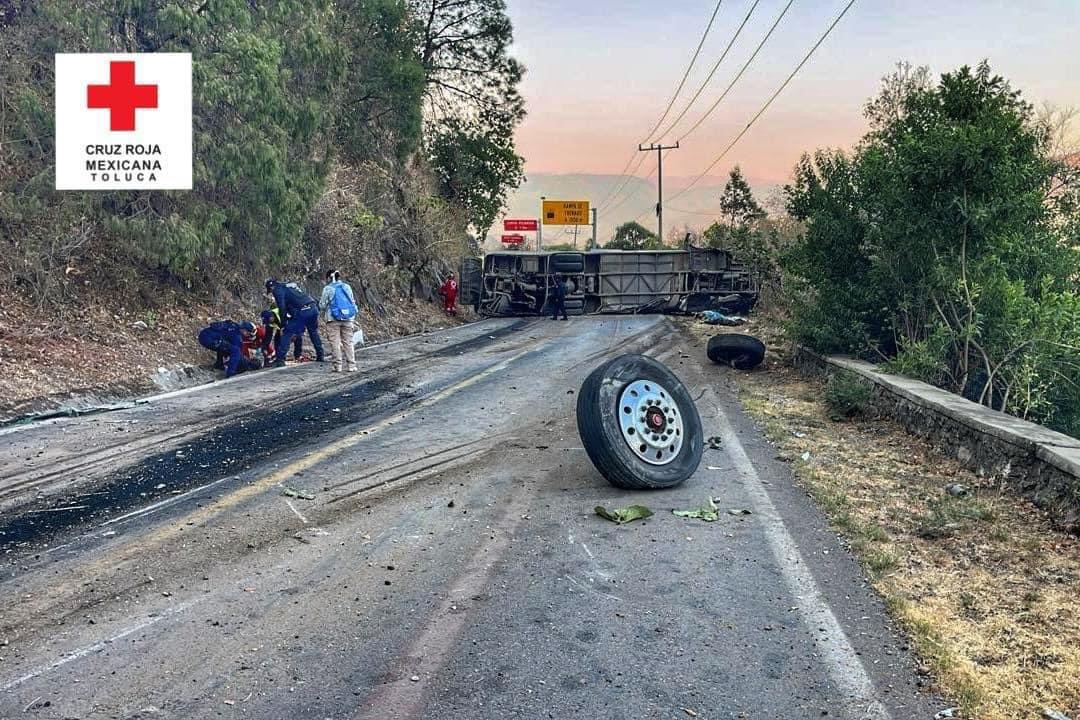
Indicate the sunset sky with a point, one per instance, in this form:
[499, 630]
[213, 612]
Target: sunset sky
[600, 73]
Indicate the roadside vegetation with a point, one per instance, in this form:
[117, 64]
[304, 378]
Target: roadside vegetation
[979, 580]
[373, 136]
[982, 583]
[947, 244]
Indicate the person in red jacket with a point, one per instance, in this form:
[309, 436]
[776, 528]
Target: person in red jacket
[449, 292]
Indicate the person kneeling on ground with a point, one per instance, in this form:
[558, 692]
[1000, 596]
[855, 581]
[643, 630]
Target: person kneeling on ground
[301, 312]
[338, 305]
[227, 338]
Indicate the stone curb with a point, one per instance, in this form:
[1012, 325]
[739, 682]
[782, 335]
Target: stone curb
[1037, 462]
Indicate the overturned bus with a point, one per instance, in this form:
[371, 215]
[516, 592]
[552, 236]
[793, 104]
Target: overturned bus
[609, 281]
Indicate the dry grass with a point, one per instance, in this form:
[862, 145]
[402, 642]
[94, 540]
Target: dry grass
[988, 591]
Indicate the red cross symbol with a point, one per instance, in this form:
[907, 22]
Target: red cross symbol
[121, 96]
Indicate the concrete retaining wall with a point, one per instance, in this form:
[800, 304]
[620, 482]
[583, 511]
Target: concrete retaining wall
[1039, 463]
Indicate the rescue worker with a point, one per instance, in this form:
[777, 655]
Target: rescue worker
[338, 305]
[227, 338]
[449, 291]
[271, 335]
[301, 313]
[558, 296]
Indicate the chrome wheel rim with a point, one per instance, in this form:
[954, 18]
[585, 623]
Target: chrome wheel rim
[651, 422]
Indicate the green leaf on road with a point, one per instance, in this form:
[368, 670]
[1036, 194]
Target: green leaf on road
[624, 515]
[290, 492]
[707, 512]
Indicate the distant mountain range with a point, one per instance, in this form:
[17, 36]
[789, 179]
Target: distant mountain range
[696, 208]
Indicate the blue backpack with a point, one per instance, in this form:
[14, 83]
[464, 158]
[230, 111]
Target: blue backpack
[342, 307]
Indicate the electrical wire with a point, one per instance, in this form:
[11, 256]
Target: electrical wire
[742, 70]
[708, 28]
[768, 102]
[682, 83]
[712, 72]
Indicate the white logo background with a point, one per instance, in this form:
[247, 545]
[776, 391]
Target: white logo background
[83, 134]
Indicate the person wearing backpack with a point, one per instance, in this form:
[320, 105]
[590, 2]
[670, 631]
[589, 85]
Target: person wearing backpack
[338, 305]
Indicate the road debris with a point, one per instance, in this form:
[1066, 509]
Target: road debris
[638, 424]
[739, 511]
[707, 512]
[947, 713]
[714, 443]
[299, 494]
[689, 712]
[957, 490]
[1052, 714]
[623, 515]
[712, 317]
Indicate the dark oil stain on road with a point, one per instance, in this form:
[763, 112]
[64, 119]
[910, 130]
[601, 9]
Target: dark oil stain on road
[222, 452]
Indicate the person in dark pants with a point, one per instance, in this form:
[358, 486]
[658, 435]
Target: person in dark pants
[559, 296]
[272, 325]
[227, 338]
[301, 313]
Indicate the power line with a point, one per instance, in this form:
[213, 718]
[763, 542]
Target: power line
[624, 178]
[712, 72]
[742, 70]
[628, 196]
[769, 102]
[635, 155]
[705, 84]
[682, 83]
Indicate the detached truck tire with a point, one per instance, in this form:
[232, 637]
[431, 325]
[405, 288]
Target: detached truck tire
[639, 425]
[744, 352]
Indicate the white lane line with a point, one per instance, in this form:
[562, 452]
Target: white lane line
[834, 648]
[297, 512]
[98, 646]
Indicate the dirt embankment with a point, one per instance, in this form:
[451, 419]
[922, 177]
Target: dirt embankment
[111, 352]
[980, 580]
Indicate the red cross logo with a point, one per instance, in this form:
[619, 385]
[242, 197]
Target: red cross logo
[121, 97]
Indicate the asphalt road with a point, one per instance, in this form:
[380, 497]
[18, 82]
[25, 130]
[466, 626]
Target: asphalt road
[449, 564]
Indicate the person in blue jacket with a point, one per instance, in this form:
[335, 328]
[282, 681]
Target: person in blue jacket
[301, 313]
[226, 338]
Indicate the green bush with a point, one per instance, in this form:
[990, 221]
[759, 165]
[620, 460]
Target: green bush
[848, 395]
[947, 243]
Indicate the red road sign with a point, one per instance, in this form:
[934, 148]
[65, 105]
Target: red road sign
[521, 225]
[513, 239]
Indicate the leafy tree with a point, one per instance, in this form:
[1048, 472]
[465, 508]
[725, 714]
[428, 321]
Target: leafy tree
[634, 236]
[743, 230]
[464, 49]
[947, 242]
[475, 168]
[281, 91]
[737, 204]
[472, 102]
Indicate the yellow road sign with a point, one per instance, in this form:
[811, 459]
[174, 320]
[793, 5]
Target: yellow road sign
[566, 212]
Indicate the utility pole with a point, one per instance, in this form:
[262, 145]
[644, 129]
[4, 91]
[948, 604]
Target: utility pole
[540, 226]
[659, 182]
[593, 247]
